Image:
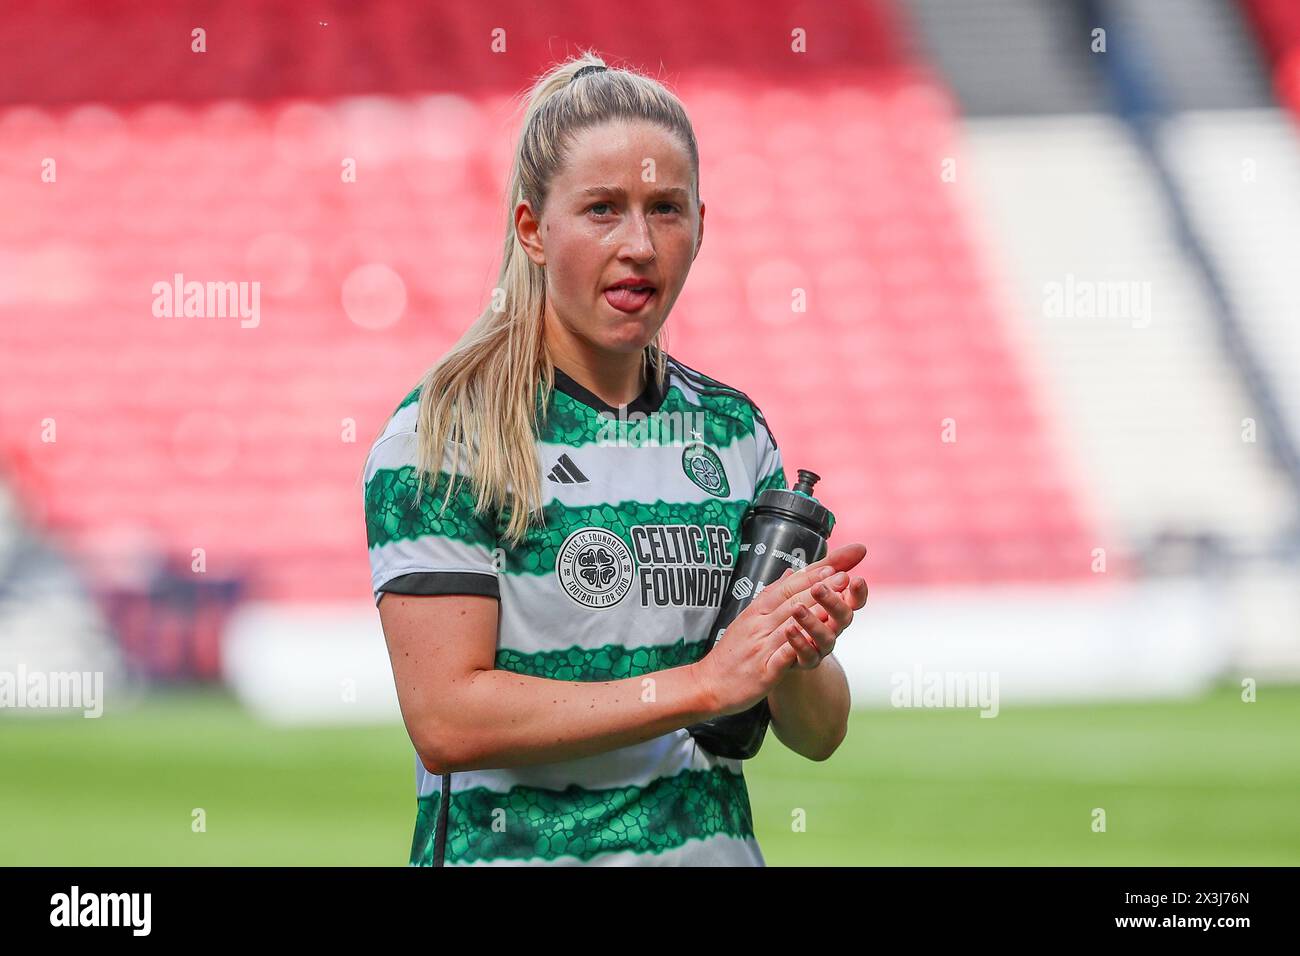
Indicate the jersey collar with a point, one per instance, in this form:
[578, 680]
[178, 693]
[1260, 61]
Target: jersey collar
[650, 399]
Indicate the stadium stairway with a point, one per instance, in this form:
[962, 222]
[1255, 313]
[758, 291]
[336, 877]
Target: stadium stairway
[1007, 57]
[1201, 53]
[1239, 171]
[1154, 411]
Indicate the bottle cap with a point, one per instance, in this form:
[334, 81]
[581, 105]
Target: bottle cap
[798, 504]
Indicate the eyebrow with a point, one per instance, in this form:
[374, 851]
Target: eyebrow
[674, 191]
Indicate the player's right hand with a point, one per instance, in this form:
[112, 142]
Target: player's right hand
[744, 666]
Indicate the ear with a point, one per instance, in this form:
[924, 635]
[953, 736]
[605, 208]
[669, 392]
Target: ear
[699, 236]
[528, 231]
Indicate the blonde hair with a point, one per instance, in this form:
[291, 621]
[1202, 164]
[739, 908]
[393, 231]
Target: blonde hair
[486, 386]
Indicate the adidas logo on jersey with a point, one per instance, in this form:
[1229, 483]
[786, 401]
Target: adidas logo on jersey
[566, 472]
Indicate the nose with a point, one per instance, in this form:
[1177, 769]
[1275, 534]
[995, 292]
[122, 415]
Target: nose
[637, 243]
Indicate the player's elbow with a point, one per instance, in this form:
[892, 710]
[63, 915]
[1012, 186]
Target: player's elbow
[827, 747]
[444, 747]
[437, 756]
[434, 761]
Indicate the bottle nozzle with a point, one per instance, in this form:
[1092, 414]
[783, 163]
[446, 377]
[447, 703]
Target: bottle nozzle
[806, 481]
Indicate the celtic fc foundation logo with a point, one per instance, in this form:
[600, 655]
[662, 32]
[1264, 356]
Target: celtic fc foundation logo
[703, 466]
[594, 567]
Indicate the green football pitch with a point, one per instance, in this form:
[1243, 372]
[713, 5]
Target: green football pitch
[1212, 781]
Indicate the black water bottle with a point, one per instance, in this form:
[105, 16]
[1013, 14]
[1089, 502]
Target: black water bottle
[783, 528]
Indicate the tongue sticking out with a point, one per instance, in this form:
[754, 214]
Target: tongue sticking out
[627, 300]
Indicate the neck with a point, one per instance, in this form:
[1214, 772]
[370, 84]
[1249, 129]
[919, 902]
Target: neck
[614, 377]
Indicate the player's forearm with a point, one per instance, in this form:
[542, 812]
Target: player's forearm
[810, 709]
[504, 719]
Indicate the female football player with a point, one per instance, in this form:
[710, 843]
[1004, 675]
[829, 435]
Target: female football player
[547, 566]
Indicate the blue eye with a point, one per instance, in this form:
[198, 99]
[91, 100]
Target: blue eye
[595, 207]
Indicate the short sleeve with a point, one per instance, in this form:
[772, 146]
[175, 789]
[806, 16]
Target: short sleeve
[424, 549]
[771, 471]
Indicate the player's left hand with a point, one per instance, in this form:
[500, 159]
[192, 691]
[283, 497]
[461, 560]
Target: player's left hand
[815, 627]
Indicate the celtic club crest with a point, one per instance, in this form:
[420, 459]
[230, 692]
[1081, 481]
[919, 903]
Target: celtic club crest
[703, 466]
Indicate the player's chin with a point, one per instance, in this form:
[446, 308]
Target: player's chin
[630, 333]
[627, 344]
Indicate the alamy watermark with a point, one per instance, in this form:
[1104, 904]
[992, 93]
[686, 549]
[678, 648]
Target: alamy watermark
[638, 429]
[208, 300]
[1088, 299]
[76, 908]
[52, 690]
[922, 688]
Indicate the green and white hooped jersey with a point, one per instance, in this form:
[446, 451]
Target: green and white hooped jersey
[641, 533]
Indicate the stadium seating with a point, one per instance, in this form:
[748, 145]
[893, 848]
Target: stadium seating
[236, 439]
[1277, 28]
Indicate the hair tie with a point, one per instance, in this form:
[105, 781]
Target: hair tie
[592, 68]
